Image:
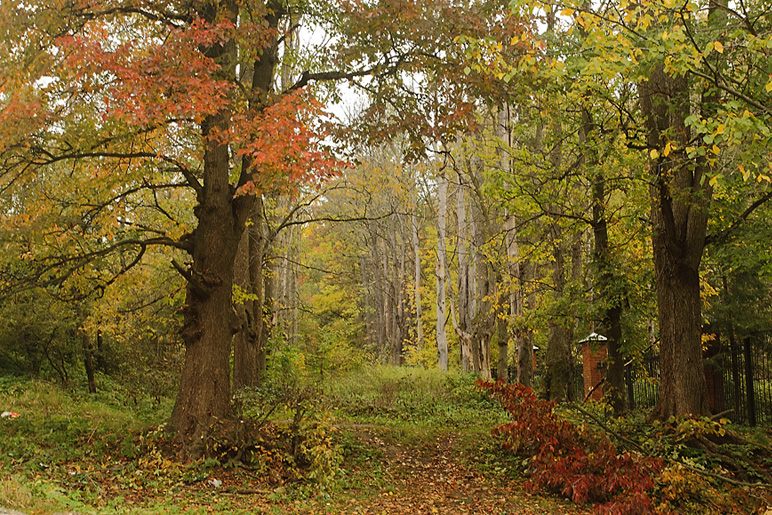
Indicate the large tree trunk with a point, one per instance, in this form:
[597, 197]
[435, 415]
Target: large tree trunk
[680, 200]
[247, 346]
[203, 403]
[210, 322]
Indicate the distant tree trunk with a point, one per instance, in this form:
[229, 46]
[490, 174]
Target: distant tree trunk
[88, 361]
[680, 199]
[367, 301]
[285, 283]
[442, 337]
[485, 285]
[520, 331]
[502, 334]
[398, 251]
[557, 376]
[388, 303]
[465, 290]
[419, 330]
[261, 276]
[611, 314]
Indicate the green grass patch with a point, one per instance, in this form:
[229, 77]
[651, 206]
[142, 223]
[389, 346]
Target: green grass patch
[394, 395]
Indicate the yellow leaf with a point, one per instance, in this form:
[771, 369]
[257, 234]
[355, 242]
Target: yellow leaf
[713, 180]
[654, 153]
[715, 149]
[768, 87]
[718, 47]
[763, 177]
[720, 129]
[668, 149]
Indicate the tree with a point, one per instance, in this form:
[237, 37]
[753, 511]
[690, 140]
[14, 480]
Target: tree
[167, 103]
[697, 97]
[442, 207]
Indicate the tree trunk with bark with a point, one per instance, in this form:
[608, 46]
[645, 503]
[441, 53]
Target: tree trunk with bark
[210, 321]
[611, 313]
[464, 307]
[88, 361]
[558, 373]
[248, 347]
[502, 332]
[203, 403]
[419, 329]
[485, 286]
[442, 270]
[680, 198]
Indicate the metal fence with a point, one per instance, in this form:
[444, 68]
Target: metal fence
[739, 379]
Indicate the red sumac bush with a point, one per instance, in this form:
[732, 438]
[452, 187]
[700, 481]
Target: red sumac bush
[582, 465]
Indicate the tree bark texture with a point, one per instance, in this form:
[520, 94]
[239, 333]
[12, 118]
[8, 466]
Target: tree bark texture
[485, 282]
[679, 216]
[464, 302]
[248, 347]
[442, 270]
[210, 321]
[558, 373]
[203, 403]
[419, 329]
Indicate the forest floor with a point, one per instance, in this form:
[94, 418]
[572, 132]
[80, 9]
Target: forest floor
[410, 447]
[385, 471]
[376, 442]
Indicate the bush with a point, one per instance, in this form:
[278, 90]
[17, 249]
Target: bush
[571, 460]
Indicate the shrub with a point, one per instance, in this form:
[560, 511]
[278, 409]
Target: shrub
[568, 459]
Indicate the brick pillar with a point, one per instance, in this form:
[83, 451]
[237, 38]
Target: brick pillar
[593, 367]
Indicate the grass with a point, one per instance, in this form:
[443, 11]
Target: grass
[386, 440]
[104, 454]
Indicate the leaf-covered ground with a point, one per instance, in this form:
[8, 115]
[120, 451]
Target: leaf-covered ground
[384, 471]
[381, 442]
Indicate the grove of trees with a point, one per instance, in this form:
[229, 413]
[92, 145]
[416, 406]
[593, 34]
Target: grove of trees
[187, 188]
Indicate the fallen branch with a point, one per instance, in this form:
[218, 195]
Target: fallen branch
[640, 449]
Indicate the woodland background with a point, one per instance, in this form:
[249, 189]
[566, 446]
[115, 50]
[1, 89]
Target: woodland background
[183, 216]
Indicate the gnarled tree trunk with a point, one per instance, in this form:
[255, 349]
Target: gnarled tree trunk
[679, 216]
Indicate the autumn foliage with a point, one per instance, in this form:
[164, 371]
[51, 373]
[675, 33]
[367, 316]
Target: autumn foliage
[568, 459]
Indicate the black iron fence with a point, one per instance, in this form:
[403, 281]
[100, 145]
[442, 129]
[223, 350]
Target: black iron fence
[739, 379]
[642, 381]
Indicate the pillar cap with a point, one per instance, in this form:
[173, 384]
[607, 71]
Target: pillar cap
[593, 337]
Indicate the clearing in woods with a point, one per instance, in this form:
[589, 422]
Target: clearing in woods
[389, 445]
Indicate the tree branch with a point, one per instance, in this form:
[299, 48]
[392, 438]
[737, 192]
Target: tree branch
[721, 236]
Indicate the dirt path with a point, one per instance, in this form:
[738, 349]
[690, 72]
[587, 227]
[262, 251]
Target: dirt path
[435, 479]
[385, 473]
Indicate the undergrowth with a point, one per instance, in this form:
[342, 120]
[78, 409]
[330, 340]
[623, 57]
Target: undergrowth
[662, 471]
[411, 395]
